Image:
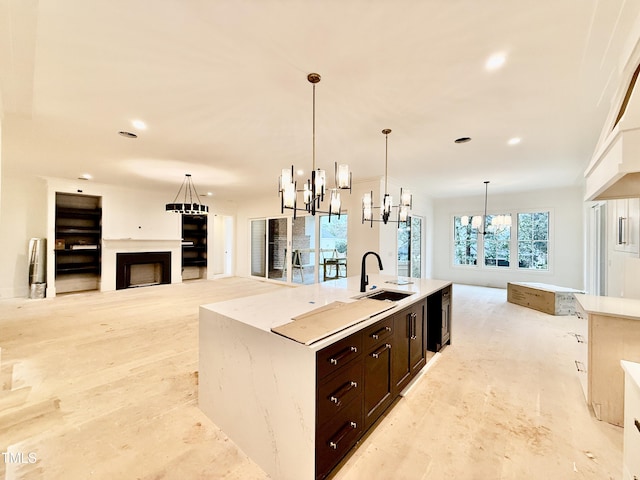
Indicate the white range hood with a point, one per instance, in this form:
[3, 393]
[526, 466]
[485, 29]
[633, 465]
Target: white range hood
[614, 171]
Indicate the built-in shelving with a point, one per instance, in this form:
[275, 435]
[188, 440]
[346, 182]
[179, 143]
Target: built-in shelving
[78, 235]
[194, 246]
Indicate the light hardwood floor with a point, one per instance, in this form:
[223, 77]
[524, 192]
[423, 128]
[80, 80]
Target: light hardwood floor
[104, 386]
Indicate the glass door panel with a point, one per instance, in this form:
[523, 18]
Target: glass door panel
[303, 250]
[415, 259]
[333, 248]
[258, 247]
[277, 249]
[410, 248]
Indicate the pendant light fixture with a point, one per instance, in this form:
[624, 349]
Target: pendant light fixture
[478, 221]
[386, 206]
[188, 206]
[315, 188]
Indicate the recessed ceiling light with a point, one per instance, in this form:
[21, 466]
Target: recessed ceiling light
[85, 176]
[462, 140]
[209, 194]
[495, 61]
[514, 141]
[139, 124]
[299, 172]
[128, 134]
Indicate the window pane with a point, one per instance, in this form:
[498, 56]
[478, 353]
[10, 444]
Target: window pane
[533, 244]
[465, 241]
[277, 250]
[333, 247]
[258, 247]
[540, 226]
[497, 241]
[303, 260]
[416, 247]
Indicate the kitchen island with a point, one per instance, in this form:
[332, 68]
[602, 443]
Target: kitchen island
[295, 408]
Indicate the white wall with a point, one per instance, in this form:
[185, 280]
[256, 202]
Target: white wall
[567, 246]
[23, 215]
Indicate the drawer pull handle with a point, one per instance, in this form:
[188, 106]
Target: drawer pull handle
[343, 354]
[344, 431]
[636, 423]
[579, 314]
[579, 338]
[580, 366]
[380, 351]
[414, 319]
[376, 335]
[336, 397]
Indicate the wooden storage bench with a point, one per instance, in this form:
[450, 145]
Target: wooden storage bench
[545, 298]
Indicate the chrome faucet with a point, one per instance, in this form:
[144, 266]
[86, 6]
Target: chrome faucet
[364, 278]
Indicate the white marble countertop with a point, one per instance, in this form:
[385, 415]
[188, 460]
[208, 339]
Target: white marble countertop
[610, 306]
[633, 370]
[270, 310]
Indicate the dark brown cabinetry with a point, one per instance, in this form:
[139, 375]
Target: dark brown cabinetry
[339, 416]
[78, 231]
[439, 315]
[360, 376]
[378, 387]
[409, 346]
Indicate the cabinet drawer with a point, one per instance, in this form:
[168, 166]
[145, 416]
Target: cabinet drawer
[336, 438]
[377, 332]
[335, 356]
[337, 391]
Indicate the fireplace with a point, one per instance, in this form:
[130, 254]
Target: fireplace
[142, 269]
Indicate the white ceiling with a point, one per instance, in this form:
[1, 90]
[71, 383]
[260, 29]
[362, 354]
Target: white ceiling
[222, 87]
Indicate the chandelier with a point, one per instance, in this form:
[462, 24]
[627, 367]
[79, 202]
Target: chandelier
[315, 188]
[188, 206]
[386, 205]
[478, 221]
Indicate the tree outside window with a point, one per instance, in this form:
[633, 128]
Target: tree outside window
[497, 243]
[465, 238]
[533, 240]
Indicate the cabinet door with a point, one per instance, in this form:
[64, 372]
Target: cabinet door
[400, 367]
[626, 224]
[377, 382]
[417, 343]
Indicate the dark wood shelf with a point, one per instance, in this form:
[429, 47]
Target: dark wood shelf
[194, 230]
[68, 268]
[91, 231]
[81, 251]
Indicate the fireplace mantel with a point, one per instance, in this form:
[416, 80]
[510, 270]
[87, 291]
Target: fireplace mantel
[113, 246]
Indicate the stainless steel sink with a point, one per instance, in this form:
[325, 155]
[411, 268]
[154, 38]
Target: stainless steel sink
[390, 295]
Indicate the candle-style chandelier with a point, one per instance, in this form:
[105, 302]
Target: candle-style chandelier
[386, 206]
[315, 188]
[480, 221]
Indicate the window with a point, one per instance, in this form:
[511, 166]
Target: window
[497, 241]
[494, 248]
[465, 239]
[533, 240]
